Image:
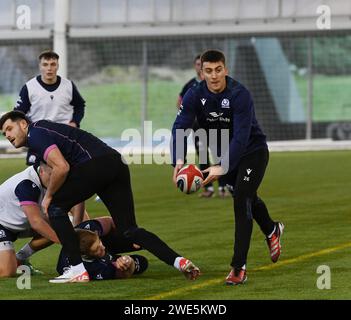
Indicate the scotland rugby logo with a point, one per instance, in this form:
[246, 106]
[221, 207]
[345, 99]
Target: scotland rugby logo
[32, 158]
[225, 103]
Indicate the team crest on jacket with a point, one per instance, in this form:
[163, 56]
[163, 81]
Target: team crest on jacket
[225, 103]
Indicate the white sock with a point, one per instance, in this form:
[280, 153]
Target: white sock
[79, 268]
[176, 263]
[25, 252]
[244, 267]
[270, 235]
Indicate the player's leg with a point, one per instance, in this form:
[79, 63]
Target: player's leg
[271, 229]
[222, 188]
[116, 243]
[8, 261]
[261, 215]
[249, 176]
[81, 183]
[63, 227]
[78, 187]
[79, 213]
[36, 244]
[118, 198]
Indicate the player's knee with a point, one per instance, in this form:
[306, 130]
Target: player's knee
[243, 206]
[9, 271]
[258, 201]
[240, 199]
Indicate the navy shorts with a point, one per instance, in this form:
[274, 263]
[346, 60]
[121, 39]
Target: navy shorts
[7, 238]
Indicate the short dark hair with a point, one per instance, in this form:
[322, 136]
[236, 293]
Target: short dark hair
[212, 56]
[14, 116]
[197, 58]
[48, 54]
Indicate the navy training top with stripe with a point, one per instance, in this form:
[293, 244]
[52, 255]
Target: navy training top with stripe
[76, 145]
[232, 109]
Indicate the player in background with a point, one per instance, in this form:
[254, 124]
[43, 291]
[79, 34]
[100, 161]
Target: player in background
[51, 97]
[83, 165]
[199, 145]
[247, 154]
[21, 217]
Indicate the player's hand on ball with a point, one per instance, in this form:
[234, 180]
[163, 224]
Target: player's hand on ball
[124, 262]
[189, 179]
[125, 267]
[214, 172]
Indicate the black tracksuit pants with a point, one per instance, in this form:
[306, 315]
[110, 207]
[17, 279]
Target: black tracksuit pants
[247, 205]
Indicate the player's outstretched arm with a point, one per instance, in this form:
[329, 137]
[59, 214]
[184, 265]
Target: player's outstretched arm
[38, 223]
[60, 168]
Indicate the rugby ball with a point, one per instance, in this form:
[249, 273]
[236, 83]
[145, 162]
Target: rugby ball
[189, 179]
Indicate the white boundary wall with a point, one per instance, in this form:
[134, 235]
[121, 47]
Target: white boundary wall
[7, 151]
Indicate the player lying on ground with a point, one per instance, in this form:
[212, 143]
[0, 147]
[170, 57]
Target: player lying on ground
[100, 246]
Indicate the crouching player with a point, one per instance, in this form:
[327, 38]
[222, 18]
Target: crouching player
[20, 214]
[99, 246]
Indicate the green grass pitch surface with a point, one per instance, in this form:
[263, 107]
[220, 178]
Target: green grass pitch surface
[308, 191]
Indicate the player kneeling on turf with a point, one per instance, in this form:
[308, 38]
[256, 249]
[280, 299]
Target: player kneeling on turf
[20, 214]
